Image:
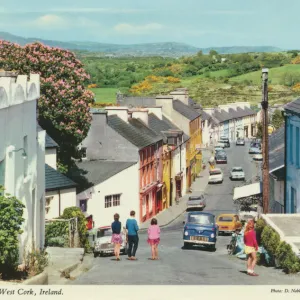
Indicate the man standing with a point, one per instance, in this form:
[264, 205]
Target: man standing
[133, 238]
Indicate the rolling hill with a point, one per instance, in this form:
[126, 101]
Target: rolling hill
[168, 49]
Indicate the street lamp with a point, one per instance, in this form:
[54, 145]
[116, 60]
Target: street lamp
[24, 155]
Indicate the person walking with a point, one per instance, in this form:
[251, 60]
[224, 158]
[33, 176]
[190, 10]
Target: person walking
[116, 236]
[154, 238]
[132, 235]
[251, 247]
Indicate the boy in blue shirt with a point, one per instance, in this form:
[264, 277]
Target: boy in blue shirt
[132, 233]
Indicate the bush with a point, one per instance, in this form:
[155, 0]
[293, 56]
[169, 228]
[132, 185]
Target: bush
[286, 258]
[11, 219]
[35, 262]
[73, 212]
[55, 233]
[259, 227]
[270, 239]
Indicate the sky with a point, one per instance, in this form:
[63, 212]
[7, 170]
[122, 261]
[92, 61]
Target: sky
[200, 23]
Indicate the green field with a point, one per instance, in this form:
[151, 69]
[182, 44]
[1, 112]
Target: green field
[275, 75]
[105, 95]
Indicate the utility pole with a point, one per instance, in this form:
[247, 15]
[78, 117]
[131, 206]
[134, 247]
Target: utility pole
[265, 140]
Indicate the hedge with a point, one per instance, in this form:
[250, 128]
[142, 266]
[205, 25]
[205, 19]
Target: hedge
[282, 255]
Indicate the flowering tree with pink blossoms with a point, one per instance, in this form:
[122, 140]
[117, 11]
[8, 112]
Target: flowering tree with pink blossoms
[64, 102]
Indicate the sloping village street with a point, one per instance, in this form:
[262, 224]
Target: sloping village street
[196, 266]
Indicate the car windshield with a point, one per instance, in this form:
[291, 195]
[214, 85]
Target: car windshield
[237, 170]
[201, 219]
[225, 219]
[214, 172]
[104, 232]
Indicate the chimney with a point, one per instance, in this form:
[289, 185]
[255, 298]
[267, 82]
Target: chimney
[209, 111]
[182, 95]
[4, 73]
[140, 113]
[120, 111]
[156, 110]
[166, 102]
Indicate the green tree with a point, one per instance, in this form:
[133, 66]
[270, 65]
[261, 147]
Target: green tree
[277, 119]
[64, 101]
[259, 133]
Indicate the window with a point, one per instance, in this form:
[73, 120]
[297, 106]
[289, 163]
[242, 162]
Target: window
[83, 205]
[144, 206]
[297, 147]
[112, 200]
[172, 141]
[108, 200]
[291, 144]
[25, 146]
[116, 200]
[48, 204]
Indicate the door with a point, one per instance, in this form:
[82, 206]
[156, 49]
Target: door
[293, 200]
[33, 218]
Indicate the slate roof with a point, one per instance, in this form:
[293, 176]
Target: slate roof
[205, 116]
[139, 124]
[137, 101]
[232, 113]
[98, 171]
[57, 181]
[185, 110]
[49, 142]
[130, 132]
[276, 149]
[158, 126]
[293, 106]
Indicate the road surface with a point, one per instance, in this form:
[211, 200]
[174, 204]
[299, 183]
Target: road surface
[189, 267]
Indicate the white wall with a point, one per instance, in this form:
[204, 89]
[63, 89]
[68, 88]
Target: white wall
[18, 119]
[125, 183]
[67, 199]
[51, 157]
[176, 168]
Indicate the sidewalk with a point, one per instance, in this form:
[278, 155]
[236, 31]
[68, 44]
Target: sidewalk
[167, 216]
[62, 260]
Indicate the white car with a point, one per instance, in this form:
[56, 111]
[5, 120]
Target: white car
[237, 173]
[221, 145]
[215, 176]
[218, 149]
[258, 157]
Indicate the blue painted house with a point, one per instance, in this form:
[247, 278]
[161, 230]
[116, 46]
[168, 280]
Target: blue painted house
[292, 157]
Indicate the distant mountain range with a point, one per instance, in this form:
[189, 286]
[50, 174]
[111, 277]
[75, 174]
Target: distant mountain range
[169, 49]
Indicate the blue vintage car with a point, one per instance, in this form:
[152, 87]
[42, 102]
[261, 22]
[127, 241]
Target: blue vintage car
[200, 229]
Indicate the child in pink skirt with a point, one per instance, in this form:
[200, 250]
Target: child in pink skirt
[154, 238]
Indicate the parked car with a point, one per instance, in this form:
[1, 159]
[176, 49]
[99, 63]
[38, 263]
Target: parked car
[221, 158]
[217, 149]
[240, 142]
[248, 212]
[255, 149]
[200, 229]
[103, 245]
[220, 144]
[196, 203]
[258, 157]
[237, 173]
[228, 223]
[215, 176]
[226, 141]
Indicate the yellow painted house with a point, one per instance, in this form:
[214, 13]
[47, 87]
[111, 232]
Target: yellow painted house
[167, 165]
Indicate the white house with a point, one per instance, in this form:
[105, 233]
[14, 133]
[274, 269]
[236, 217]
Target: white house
[60, 190]
[22, 153]
[114, 189]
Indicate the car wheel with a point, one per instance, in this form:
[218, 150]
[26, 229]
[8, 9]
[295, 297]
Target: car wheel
[212, 248]
[186, 245]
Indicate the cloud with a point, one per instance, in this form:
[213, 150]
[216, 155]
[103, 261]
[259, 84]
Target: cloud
[126, 28]
[50, 21]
